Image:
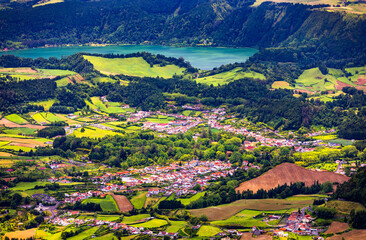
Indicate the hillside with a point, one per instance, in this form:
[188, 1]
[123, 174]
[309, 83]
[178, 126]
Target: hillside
[289, 173]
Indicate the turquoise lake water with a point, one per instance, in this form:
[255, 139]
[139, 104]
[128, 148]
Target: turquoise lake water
[204, 58]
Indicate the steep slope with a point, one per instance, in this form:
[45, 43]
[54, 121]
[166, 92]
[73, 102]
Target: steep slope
[289, 173]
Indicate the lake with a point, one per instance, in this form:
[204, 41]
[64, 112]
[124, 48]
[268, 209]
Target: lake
[204, 58]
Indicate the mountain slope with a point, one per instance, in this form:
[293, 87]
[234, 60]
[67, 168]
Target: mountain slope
[289, 173]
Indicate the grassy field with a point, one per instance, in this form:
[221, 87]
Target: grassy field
[23, 186]
[111, 218]
[46, 104]
[50, 117]
[107, 204]
[138, 201]
[186, 201]
[30, 233]
[226, 211]
[135, 218]
[175, 226]
[135, 66]
[305, 197]
[244, 219]
[16, 119]
[208, 231]
[281, 84]
[38, 117]
[344, 207]
[154, 223]
[93, 132]
[85, 234]
[56, 72]
[26, 131]
[325, 137]
[229, 76]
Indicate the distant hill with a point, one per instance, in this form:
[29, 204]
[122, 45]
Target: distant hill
[289, 173]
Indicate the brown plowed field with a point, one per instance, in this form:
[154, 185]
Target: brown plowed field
[337, 227]
[341, 85]
[123, 203]
[352, 235]
[289, 173]
[361, 81]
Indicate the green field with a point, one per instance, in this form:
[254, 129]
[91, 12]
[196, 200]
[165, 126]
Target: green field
[305, 197]
[38, 117]
[325, 137]
[243, 219]
[154, 223]
[111, 218]
[186, 201]
[107, 204]
[135, 66]
[135, 218]
[85, 234]
[50, 117]
[93, 132]
[56, 72]
[16, 119]
[344, 207]
[23, 186]
[175, 226]
[108, 107]
[26, 131]
[229, 76]
[62, 82]
[138, 201]
[46, 104]
[17, 148]
[208, 231]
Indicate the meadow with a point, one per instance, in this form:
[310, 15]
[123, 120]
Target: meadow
[281, 84]
[93, 132]
[107, 204]
[138, 201]
[135, 218]
[16, 119]
[46, 104]
[154, 223]
[135, 66]
[176, 226]
[229, 76]
[208, 231]
[344, 207]
[186, 201]
[226, 211]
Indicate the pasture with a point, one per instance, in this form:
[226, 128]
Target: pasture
[186, 201]
[135, 66]
[135, 218]
[38, 117]
[248, 218]
[138, 201]
[93, 132]
[176, 226]
[46, 104]
[208, 231]
[108, 204]
[344, 207]
[225, 211]
[85, 234]
[229, 76]
[20, 131]
[15, 118]
[154, 223]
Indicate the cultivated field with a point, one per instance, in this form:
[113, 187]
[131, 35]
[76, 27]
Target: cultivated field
[6, 123]
[16, 119]
[208, 231]
[123, 203]
[352, 235]
[30, 233]
[135, 218]
[135, 66]
[281, 84]
[289, 173]
[186, 201]
[336, 227]
[225, 211]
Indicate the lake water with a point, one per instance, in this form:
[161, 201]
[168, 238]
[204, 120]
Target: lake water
[204, 58]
